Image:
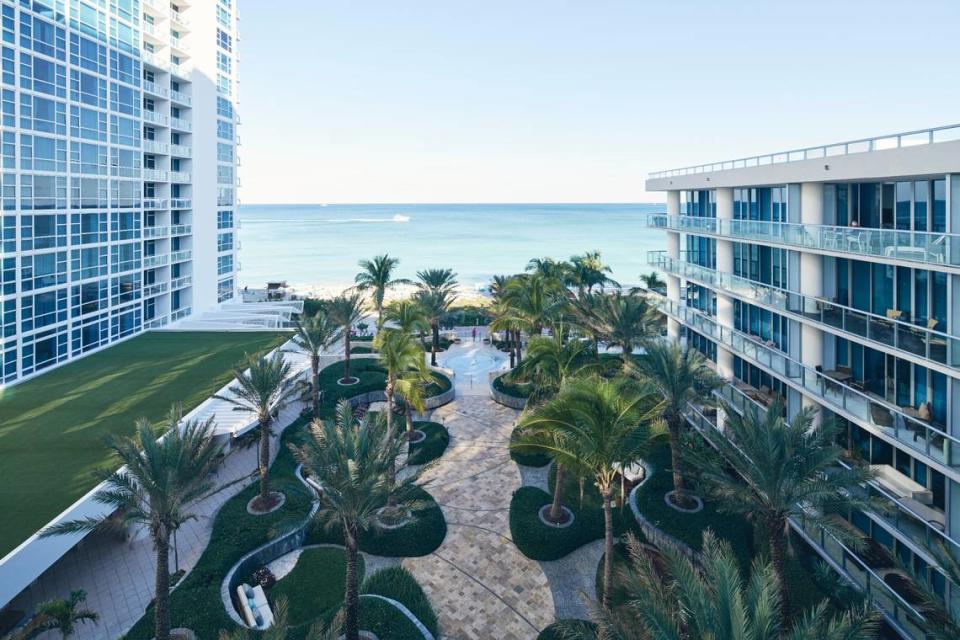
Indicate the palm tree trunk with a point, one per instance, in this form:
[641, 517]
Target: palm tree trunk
[556, 511]
[607, 548]
[583, 482]
[519, 347]
[435, 327]
[315, 384]
[346, 356]
[264, 466]
[679, 485]
[409, 418]
[513, 352]
[351, 597]
[161, 603]
[778, 556]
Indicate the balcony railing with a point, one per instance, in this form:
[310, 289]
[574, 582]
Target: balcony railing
[862, 406]
[154, 289]
[181, 203]
[155, 232]
[154, 203]
[155, 175]
[152, 262]
[152, 146]
[181, 256]
[945, 133]
[181, 151]
[181, 124]
[179, 176]
[181, 282]
[156, 118]
[154, 89]
[180, 97]
[181, 69]
[930, 248]
[181, 229]
[180, 313]
[156, 323]
[887, 332]
[179, 18]
[153, 59]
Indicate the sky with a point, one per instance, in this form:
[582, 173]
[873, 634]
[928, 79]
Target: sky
[536, 101]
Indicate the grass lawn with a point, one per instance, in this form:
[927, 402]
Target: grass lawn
[315, 586]
[52, 428]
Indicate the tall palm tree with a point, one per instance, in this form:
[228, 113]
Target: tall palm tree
[600, 424]
[536, 300]
[551, 361]
[549, 268]
[783, 471]
[680, 376]
[587, 271]
[60, 614]
[313, 336]
[401, 356]
[352, 463]
[623, 320]
[409, 316]
[506, 320]
[263, 389]
[161, 479]
[678, 599]
[652, 282]
[376, 276]
[436, 303]
[346, 310]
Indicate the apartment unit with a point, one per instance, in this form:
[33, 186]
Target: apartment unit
[118, 177]
[830, 277]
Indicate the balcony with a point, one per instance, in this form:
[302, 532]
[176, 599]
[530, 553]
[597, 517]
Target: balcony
[833, 389]
[156, 323]
[153, 89]
[154, 203]
[180, 314]
[181, 230]
[181, 151]
[181, 282]
[887, 333]
[179, 176]
[155, 175]
[152, 59]
[152, 262]
[181, 256]
[181, 124]
[154, 289]
[934, 250]
[152, 146]
[181, 203]
[178, 18]
[179, 44]
[156, 118]
[155, 232]
[181, 69]
[180, 98]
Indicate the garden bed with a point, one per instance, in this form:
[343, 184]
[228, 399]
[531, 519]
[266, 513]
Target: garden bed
[431, 447]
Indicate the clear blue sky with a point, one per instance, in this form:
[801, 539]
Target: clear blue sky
[540, 101]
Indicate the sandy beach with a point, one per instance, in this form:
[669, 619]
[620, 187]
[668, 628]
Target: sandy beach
[466, 295]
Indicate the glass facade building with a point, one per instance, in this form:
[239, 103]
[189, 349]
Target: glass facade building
[117, 172]
[830, 277]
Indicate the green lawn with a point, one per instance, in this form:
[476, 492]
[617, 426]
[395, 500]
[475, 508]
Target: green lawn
[52, 428]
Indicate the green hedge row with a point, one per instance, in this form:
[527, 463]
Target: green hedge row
[527, 459]
[432, 447]
[398, 583]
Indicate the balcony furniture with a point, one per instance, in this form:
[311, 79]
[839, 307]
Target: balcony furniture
[894, 314]
[254, 606]
[838, 374]
[900, 485]
[881, 416]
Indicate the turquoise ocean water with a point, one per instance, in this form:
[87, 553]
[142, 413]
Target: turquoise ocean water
[315, 245]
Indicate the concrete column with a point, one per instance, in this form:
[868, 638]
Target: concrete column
[673, 251]
[673, 203]
[811, 282]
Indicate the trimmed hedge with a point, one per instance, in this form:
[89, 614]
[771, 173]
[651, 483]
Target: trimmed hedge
[442, 345]
[373, 377]
[430, 448]
[527, 459]
[567, 630]
[314, 588]
[386, 621]
[361, 349]
[400, 585]
[511, 387]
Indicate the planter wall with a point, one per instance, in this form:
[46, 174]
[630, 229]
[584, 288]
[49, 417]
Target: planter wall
[656, 536]
[506, 400]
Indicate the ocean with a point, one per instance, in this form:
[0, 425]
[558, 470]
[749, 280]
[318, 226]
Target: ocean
[316, 246]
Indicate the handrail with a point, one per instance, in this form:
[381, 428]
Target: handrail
[814, 382]
[812, 308]
[877, 143]
[934, 248]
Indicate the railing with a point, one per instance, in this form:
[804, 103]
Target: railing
[153, 59]
[156, 232]
[154, 89]
[182, 69]
[945, 133]
[156, 118]
[181, 229]
[181, 282]
[179, 176]
[156, 323]
[181, 124]
[930, 248]
[178, 43]
[181, 256]
[182, 98]
[179, 314]
[886, 332]
[152, 262]
[152, 146]
[178, 17]
[155, 175]
[866, 408]
[181, 151]
[181, 203]
[154, 203]
[154, 289]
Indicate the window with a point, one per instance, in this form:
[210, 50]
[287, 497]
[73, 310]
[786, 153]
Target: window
[88, 158]
[88, 89]
[43, 154]
[224, 63]
[224, 108]
[125, 289]
[225, 174]
[224, 41]
[46, 231]
[225, 242]
[89, 297]
[124, 131]
[88, 54]
[43, 309]
[224, 152]
[43, 270]
[88, 193]
[42, 76]
[124, 99]
[86, 228]
[124, 68]
[48, 116]
[225, 130]
[88, 124]
[42, 37]
[224, 264]
[224, 85]
[125, 257]
[223, 17]
[225, 290]
[224, 219]
[43, 192]
[88, 263]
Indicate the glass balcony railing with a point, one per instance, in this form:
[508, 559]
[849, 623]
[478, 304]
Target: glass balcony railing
[181, 124]
[154, 203]
[181, 256]
[156, 232]
[180, 313]
[930, 248]
[180, 97]
[180, 203]
[866, 408]
[156, 118]
[154, 89]
[887, 332]
[181, 151]
[179, 176]
[181, 229]
[181, 282]
[152, 146]
[155, 175]
[154, 289]
[152, 262]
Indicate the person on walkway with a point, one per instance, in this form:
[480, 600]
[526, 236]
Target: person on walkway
[474, 334]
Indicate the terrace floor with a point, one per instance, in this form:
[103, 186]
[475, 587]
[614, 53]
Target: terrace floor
[52, 428]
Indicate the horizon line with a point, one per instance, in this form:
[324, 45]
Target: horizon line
[319, 204]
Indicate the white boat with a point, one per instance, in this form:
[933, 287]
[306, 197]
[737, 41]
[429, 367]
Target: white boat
[401, 218]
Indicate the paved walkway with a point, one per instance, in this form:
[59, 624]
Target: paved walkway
[480, 585]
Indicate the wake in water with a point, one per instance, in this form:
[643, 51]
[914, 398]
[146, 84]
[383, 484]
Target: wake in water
[397, 219]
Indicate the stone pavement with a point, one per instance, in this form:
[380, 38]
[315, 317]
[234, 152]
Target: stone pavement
[480, 585]
[119, 576]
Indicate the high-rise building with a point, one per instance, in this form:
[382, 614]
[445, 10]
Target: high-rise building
[829, 277]
[118, 176]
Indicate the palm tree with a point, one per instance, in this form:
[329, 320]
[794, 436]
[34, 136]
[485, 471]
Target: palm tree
[346, 310]
[159, 481]
[279, 629]
[587, 271]
[599, 423]
[376, 276]
[314, 336]
[263, 389]
[652, 282]
[60, 614]
[939, 623]
[623, 321]
[550, 362]
[409, 316]
[506, 320]
[400, 355]
[549, 269]
[436, 303]
[412, 387]
[680, 376]
[783, 471]
[678, 599]
[536, 300]
[352, 463]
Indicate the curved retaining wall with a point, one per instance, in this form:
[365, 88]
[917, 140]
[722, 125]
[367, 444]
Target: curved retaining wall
[402, 609]
[655, 535]
[506, 400]
[429, 403]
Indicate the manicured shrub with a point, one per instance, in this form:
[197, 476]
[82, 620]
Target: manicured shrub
[430, 448]
[565, 630]
[315, 585]
[398, 583]
[386, 621]
[361, 349]
[527, 458]
[510, 386]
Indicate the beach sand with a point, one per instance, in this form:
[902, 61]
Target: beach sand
[466, 296]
